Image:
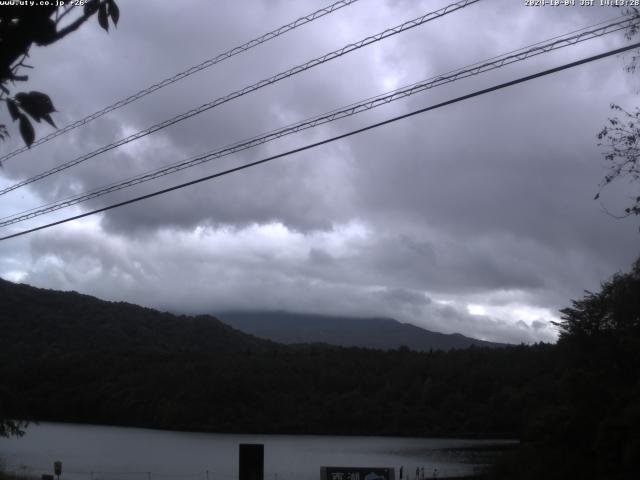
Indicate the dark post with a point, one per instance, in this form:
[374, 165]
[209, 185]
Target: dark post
[57, 468]
[251, 461]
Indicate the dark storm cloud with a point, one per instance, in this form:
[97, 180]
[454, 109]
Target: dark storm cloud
[487, 202]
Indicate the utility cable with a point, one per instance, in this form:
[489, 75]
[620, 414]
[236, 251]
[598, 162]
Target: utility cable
[353, 109]
[185, 73]
[331, 139]
[251, 88]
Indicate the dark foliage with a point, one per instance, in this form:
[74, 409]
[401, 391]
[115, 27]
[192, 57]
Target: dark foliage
[40, 323]
[590, 427]
[11, 427]
[621, 138]
[309, 390]
[613, 311]
[22, 26]
[621, 135]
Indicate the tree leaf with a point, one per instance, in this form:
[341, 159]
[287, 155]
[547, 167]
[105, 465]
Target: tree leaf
[13, 109]
[26, 130]
[103, 16]
[45, 32]
[42, 99]
[114, 11]
[47, 118]
[36, 104]
[90, 7]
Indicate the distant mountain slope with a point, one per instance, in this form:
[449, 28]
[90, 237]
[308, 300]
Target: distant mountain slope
[380, 333]
[40, 321]
[74, 358]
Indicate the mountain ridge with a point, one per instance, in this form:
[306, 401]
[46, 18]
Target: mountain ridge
[46, 320]
[365, 332]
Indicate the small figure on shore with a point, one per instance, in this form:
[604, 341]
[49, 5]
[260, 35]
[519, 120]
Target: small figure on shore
[401, 467]
[435, 473]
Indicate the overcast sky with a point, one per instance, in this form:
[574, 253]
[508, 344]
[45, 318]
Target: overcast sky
[476, 218]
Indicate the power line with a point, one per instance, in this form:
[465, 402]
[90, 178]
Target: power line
[331, 139]
[251, 88]
[185, 73]
[353, 109]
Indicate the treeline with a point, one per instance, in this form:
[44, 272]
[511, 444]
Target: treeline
[475, 392]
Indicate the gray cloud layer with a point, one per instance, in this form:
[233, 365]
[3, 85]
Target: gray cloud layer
[475, 218]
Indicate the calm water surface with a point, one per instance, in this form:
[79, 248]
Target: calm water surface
[90, 452]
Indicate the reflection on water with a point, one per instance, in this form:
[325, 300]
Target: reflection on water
[114, 453]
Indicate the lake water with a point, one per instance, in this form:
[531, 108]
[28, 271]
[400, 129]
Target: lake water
[90, 452]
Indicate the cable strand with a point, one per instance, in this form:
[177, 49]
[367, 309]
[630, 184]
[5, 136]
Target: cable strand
[248, 89]
[350, 110]
[330, 140]
[185, 73]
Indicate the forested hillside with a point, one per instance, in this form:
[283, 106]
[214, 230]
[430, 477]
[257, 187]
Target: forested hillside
[45, 322]
[66, 356]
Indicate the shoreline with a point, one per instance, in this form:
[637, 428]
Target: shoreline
[460, 437]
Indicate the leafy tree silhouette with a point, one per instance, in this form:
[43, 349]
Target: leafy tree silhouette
[9, 427]
[614, 310]
[621, 135]
[23, 25]
[12, 427]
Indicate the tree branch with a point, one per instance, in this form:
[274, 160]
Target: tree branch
[72, 27]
